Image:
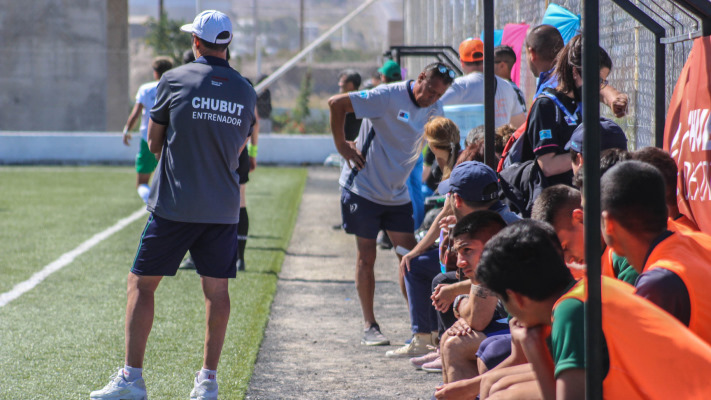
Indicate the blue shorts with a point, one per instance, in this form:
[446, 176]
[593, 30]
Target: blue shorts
[164, 243]
[494, 349]
[365, 218]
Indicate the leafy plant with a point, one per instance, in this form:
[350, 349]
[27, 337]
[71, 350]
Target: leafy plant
[166, 39]
[301, 111]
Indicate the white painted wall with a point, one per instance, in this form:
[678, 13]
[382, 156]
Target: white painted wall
[93, 147]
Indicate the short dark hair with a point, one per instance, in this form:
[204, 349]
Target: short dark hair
[554, 202]
[525, 257]
[188, 56]
[506, 54]
[608, 159]
[162, 64]
[433, 70]
[216, 46]
[633, 193]
[546, 41]
[664, 163]
[571, 57]
[351, 76]
[479, 225]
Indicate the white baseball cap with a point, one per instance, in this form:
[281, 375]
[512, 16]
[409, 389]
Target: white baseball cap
[208, 25]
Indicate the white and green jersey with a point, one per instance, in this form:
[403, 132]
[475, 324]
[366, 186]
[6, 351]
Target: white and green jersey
[146, 96]
[389, 140]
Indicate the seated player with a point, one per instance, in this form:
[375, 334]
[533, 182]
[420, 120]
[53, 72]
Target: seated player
[477, 312]
[667, 166]
[523, 265]
[675, 267]
[561, 206]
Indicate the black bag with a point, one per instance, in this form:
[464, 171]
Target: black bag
[521, 183]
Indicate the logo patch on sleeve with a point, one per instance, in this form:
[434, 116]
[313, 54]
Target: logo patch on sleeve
[403, 115]
[545, 134]
[363, 94]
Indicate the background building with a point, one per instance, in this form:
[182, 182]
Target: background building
[65, 65]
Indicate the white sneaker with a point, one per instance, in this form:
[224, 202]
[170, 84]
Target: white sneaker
[120, 389]
[205, 390]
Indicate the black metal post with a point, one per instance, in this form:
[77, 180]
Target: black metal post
[591, 189]
[660, 91]
[702, 9]
[489, 84]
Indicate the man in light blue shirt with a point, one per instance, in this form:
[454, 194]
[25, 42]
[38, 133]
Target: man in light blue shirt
[377, 164]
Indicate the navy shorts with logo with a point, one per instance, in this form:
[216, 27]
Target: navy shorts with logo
[164, 243]
[365, 218]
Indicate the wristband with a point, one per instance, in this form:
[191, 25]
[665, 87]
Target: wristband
[252, 150]
[125, 130]
[455, 305]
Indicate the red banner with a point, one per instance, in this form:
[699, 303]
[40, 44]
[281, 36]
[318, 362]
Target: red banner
[687, 134]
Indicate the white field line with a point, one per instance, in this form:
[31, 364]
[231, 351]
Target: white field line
[66, 258]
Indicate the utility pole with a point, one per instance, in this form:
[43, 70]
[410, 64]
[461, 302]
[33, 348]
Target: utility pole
[255, 30]
[160, 10]
[301, 25]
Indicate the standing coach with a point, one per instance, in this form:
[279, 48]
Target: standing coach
[203, 114]
[374, 194]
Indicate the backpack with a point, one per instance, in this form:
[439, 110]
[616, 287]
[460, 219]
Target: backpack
[511, 155]
[521, 183]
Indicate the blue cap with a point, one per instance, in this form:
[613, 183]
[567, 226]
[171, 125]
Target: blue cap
[208, 25]
[611, 136]
[468, 180]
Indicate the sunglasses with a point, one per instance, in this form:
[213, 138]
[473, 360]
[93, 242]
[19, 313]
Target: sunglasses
[444, 70]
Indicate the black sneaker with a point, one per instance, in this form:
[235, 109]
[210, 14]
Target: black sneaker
[383, 240]
[373, 337]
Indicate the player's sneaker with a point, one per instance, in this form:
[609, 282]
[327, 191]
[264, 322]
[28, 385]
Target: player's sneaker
[205, 390]
[373, 337]
[119, 388]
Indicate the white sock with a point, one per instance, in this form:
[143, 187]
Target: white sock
[143, 192]
[206, 374]
[130, 374]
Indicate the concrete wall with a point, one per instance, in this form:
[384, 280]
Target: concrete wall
[103, 148]
[64, 65]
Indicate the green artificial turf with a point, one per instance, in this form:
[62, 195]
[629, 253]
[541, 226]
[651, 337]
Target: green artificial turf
[64, 338]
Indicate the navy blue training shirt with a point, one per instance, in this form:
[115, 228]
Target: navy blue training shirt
[208, 108]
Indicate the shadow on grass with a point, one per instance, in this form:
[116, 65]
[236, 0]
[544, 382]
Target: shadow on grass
[288, 253]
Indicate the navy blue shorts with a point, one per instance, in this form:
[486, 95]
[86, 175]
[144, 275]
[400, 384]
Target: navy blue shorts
[494, 349]
[164, 243]
[365, 218]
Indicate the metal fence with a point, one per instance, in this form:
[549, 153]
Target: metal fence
[630, 45]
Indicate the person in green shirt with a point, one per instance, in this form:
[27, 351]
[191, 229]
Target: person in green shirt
[524, 266]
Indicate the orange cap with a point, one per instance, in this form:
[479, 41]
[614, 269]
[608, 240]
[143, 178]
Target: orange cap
[471, 50]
